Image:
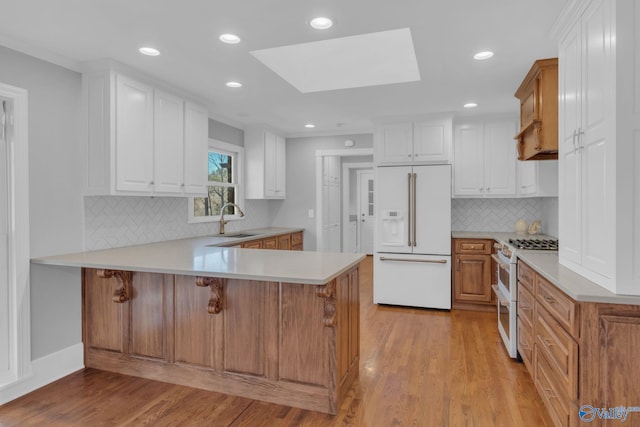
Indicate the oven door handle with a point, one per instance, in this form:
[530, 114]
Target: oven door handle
[503, 302]
[500, 263]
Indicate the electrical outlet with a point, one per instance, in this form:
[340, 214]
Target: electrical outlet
[311, 213]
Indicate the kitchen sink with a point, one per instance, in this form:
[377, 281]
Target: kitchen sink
[237, 235]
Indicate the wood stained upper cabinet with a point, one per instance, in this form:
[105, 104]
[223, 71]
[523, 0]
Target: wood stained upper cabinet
[265, 157]
[422, 142]
[538, 93]
[485, 158]
[141, 140]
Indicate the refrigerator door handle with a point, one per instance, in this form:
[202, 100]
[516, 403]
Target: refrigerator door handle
[409, 219]
[415, 212]
[430, 261]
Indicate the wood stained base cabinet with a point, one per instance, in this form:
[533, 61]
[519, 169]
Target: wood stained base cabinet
[580, 354]
[287, 343]
[473, 274]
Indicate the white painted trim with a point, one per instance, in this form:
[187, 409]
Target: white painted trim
[46, 370]
[18, 250]
[346, 178]
[215, 144]
[39, 52]
[346, 153]
[343, 132]
[352, 152]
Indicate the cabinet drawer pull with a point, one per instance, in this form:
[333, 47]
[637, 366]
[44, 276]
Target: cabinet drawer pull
[547, 342]
[549, 299]
[549, 393]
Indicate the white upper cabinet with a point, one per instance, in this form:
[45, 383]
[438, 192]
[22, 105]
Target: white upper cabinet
[265, 157]
[134, 136]
[141, 140]
[168, 149]
[537, 178]
[196, 130]
[424, 142]
[485, 158]
[599, 132]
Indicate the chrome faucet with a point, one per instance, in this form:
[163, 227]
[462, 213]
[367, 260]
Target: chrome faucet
[222, 221]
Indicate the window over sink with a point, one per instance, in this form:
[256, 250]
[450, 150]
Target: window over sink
[224, 184]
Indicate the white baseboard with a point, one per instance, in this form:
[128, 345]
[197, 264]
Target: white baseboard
[44, 371]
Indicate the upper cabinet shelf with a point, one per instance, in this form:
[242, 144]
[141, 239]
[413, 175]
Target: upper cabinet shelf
[538, 95]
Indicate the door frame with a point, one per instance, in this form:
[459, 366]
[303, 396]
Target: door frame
[359, 203]
[346, 186]
[320, 154]
[18, 247]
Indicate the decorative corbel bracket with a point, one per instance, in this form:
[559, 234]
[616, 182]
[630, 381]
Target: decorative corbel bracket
[328, 292]
[123, 293]
[216, 284]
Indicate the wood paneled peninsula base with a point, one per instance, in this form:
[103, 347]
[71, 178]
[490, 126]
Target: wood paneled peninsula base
[289, 343]
[275, 325]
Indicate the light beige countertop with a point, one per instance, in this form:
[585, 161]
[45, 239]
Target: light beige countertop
[571, 283]
[204, 256]
[546, 264]
[496, 235]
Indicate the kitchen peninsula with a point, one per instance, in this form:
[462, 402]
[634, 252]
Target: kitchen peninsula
[275, 325]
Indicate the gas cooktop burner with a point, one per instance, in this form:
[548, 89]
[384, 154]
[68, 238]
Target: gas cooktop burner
[535, 244]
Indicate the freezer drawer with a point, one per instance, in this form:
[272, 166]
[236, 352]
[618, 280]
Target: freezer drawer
[412, 280]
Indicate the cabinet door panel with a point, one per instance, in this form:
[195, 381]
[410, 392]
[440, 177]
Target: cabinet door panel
[395, 143]
[195, 149]
[299, 360]
[432, 141]
[472, 278]
[168, 142]
[270, 164]
[499, 158]
[469, 160]
[246, 329]
[195, 327]
[134, 135]
[147, 314]
[103, 318]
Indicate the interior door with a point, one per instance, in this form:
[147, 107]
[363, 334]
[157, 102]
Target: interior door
[366, 211]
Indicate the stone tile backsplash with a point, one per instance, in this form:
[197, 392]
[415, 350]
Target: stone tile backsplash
[495, 214]
[115, 221]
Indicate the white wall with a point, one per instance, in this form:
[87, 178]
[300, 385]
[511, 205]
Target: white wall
[301, 181]
[54, 99]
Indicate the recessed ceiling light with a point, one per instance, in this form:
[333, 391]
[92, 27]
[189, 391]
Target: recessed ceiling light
[234, 84]
[321, 23]
[149, 51]
[229, 38]
[480, 56]
[310, 125]
[470, 105]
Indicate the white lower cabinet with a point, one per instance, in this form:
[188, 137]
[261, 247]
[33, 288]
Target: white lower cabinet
[485, 158]
[141, 140]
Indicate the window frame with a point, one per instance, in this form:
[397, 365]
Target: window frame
[237, 154]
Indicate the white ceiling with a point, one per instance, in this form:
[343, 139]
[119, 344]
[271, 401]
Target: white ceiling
[445, 35]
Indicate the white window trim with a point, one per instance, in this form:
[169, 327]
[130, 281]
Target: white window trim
[238, 152]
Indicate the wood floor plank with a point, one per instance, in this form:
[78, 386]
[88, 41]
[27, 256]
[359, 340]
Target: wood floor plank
[417, 368]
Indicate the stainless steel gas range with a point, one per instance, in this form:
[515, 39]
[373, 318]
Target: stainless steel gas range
[506, 289]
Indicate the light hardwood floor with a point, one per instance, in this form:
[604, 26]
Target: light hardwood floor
[417, 368]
